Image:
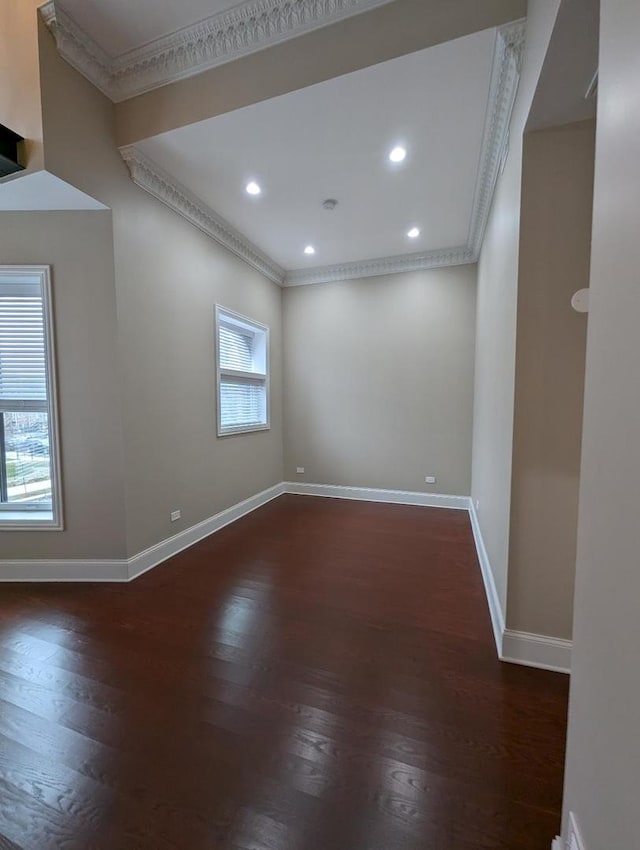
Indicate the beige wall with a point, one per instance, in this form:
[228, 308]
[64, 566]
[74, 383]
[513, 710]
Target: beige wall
[168, 277]
[20, 108]
[555, 239]
[496, 318]
[79, 247]
[603, 755]
[379, 377]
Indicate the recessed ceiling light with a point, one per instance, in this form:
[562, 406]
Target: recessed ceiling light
[309, 249]
[253, 188]
[397, 154]
[414, 233]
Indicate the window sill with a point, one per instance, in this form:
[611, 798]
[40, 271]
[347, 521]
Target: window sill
[246, 429]
[26, 521]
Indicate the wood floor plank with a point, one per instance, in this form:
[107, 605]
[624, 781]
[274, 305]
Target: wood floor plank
[320, 675]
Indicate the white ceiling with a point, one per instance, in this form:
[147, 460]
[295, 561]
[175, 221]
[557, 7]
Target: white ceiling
[122, 25]
[332, 140]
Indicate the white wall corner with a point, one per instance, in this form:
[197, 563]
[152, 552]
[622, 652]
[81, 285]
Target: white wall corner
[493, 600]
[557, 844]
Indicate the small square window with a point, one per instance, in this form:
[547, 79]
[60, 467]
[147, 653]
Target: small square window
[242, 350]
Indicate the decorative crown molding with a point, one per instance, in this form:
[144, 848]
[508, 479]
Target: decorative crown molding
[502, 91]
[78, 48]
[150, 177]
[246, 28]
[505, 76]
[382, 265]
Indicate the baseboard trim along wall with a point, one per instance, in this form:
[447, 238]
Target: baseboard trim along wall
[517, 647]
[369, 494]
[495, 608]
[155, 555]
[127, 569]
[533, 650]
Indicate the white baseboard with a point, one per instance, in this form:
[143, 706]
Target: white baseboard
[575, 841]
[493, 600]
[532, 650]
[518, 647]
[86, 569]
[369, 494]
[155, 555]
[126, 569]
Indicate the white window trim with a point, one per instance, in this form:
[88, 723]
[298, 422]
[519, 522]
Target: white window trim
[251, 323]
[15, 520]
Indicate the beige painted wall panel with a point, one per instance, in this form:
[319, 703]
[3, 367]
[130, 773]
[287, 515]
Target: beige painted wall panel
[603, 755]
[379, 377]
[79, 248]
[169, 277]
[555, 240]
[496, 322]
[20, 106]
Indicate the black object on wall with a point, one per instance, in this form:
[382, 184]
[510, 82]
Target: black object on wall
[9, 152]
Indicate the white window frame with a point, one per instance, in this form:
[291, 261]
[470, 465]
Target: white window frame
[222, 313]
[29, 517]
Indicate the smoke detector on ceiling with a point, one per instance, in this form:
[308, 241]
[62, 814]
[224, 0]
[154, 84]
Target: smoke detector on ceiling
[330, 204]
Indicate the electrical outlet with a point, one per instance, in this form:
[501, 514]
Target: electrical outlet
[430, 479]
[175, 515]
[300, 470]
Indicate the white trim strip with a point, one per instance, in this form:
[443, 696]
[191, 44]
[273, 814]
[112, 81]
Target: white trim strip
[419, 261]
[251, 26]
[540, 651]
[80, 570]
[127, 569]
[246, 28]
[530, 650]
[153, 179]
[368, 494]
[493, 600]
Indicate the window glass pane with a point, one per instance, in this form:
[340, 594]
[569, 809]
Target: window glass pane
[242, 404]
[236, 348]
[27, 460]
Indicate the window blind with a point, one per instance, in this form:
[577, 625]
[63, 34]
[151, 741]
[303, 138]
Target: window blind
[236, 348]
[23, 371]
[242, 379]
[241, 404]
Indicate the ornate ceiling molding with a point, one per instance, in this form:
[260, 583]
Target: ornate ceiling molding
[503, 87]
[505, 76]
[150, 177]
[383, 265]
[246, 28]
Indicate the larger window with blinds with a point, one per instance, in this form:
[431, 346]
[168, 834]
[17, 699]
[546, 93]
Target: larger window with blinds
[242, 348]
[29, 458]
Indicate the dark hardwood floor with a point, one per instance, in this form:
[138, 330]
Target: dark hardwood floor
[321, 675]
